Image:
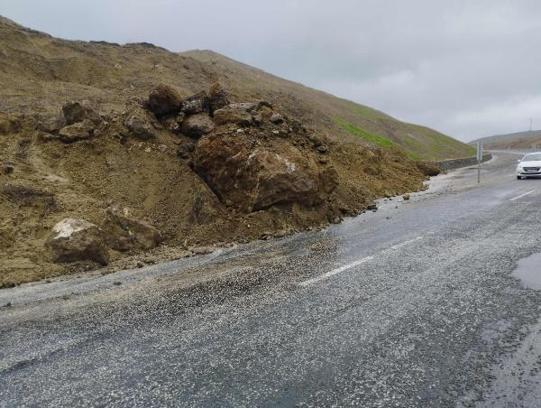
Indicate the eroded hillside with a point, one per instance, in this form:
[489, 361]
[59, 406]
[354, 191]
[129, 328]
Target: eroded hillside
[119, 156]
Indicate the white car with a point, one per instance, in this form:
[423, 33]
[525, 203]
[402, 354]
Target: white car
[529, 166]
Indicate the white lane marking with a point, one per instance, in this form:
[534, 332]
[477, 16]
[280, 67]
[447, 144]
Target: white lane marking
[522, 195]
[403, 244]
[336, 271]
[343, 268]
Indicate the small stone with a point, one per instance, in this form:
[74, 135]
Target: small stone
[8, 168]
[197, 103]
[204, 250]
[322, 149]
[185, 150]
[125, 232]
[77, 131]
[197, 125]
[238, 113]
[277, 119]
[218, 97]
[174, 124]
[406, 197]
[140, 124]
[164, 100]
[75, 112]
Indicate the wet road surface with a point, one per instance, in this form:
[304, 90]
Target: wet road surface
[416, 305]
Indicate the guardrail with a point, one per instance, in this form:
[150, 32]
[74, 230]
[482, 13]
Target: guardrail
[453, 164]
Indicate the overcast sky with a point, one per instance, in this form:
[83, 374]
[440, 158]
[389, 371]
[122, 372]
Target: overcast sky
[467, 68]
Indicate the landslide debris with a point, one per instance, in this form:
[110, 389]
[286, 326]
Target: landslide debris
[73, 240]
[90, 185]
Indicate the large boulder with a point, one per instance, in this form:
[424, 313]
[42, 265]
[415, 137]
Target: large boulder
[249, 178]
[125, 232]
[197, 125]
[218, 97]
[75, 240]
[75, 112]
[197, 103]
[236, 113]
[141, 124]
[164, 100]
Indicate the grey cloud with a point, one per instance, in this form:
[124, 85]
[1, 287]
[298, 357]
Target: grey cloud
[466, 68]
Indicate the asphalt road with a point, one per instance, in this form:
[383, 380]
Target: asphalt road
[416, 305]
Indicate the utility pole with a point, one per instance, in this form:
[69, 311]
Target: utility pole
[479, 160]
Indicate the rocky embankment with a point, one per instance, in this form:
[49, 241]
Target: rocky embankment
[167, 175]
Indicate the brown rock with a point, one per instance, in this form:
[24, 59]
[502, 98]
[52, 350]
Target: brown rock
[124, 232]
[185, 150]
[141, 124]
[75, 240]
[75, 112]
[51, 124]
[238, 113]
[197, 125]
[252, 179]
[218, 97]
[77, 131]
[197, 103]
[277, 119]
[164, 100]
[174, 123]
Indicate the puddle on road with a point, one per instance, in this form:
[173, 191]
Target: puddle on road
[529, 271]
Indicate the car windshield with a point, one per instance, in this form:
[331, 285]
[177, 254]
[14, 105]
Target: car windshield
[532, 157]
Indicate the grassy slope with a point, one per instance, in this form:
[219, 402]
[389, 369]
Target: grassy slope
[519, 140]
[51, 70]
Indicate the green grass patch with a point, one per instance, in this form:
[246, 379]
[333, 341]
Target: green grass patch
[363, 134]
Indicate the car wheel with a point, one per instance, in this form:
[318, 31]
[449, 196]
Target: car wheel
[519, 177]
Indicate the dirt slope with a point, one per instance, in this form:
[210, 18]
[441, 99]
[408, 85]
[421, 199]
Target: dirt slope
[123, 179]
[50, 70]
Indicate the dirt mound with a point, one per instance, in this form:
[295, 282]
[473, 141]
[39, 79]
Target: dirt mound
[207, 171]
[161, 155]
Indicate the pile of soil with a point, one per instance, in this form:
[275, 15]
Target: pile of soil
[200, 170]
[127, 155]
